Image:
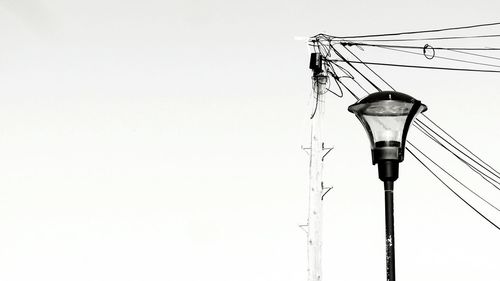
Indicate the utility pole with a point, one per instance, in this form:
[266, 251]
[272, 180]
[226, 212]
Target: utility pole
[316, 157]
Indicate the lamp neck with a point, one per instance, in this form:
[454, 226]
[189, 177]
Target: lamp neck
[386, 153]
[388, 170]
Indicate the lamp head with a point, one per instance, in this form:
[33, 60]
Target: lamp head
[386, 117]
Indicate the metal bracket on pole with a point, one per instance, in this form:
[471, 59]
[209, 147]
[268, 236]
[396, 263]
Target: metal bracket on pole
[304, 227]
[325, 148]
[306, 150]
[325, 192]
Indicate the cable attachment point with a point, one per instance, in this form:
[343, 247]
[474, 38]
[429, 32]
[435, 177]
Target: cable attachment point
[325, 190]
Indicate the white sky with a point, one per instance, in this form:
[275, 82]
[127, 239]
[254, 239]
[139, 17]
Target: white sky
[160, 140]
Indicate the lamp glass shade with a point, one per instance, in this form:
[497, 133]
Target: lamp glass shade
[386, 117]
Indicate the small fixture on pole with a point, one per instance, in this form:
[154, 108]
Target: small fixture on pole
[386, 117]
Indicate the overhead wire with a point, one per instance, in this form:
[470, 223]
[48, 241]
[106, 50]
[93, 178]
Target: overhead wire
[433, 38]
[362, 44]
[417, 119]
[454, 178]
[327, 52]
[442, 57]
[416, 32]
[331, 69]
[444, 183]
[376, 74]
[468, 164]
[421, 66]
[485, 167]
[439, 128]
[352, 66]
[349, 76]
[474, 54]
[460, 144]
[429, 135]
[465, 51]
[453, 191]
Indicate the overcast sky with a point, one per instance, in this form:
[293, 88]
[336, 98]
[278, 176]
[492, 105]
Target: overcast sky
[160, 140]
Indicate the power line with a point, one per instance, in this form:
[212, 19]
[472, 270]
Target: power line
[456, 194]
[474, 54]
[483, 162]
[434, 38]
[460, 144]
[349, 90]
[469, 165]
[428, 134]
[441, 137]
[451, 49]
[422, 67]
[352, 66]
[465, 51]
[350, 77]
[415, 32]
[457, 180]
[435, 175]
[441, 57]
[369, 68]
[349, 43]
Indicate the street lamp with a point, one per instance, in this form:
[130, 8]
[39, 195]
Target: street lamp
[386, 117]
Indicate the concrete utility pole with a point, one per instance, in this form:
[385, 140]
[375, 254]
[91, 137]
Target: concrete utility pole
[316, 157]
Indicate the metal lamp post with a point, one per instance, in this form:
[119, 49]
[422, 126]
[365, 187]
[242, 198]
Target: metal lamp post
[386, 117]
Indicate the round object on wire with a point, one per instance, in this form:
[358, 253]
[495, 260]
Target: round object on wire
[429, 52]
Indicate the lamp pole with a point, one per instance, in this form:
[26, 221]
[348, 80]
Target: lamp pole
[387, 116]
[389, 231]
[388, 171]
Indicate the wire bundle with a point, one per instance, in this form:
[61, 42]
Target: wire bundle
[345, 74]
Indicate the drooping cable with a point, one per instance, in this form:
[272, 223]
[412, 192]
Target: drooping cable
[488, 179]
[456, 194]
[485, 167]
[353, 67]
[453, 177]
[460, 144]
[349, 90]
